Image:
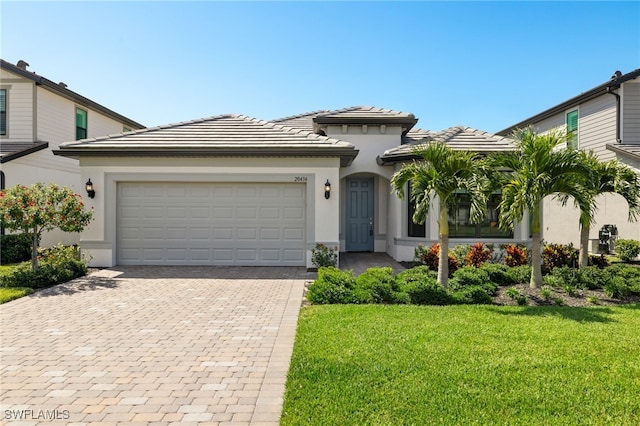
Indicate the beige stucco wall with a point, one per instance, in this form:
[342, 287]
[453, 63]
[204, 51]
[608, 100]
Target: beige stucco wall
[99, 238]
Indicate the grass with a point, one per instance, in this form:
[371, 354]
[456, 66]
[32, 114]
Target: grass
[401, 365]
[9, 294]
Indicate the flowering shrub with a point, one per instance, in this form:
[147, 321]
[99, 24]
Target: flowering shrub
[515, 255]
[627, 249]
[39, 208]
[322, 255]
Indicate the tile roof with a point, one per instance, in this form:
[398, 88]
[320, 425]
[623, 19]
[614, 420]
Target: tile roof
[12, 150]
[629, 150]
[223, 135]
[457, 137]
[351, 115]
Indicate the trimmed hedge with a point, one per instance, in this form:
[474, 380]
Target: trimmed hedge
[15, 248]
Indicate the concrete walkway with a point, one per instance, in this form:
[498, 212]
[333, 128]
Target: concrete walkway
[152, 345]
[360, 262]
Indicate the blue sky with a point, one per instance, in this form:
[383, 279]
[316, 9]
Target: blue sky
[486, 65]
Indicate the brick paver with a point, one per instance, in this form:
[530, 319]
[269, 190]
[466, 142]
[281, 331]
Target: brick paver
[152, 345]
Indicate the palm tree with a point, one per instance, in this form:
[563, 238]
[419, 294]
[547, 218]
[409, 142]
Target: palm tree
[605, 177]
[441, 171]
[538, 168]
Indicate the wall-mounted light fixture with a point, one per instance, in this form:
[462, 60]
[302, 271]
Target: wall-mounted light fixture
[89, 187]
[327, 189]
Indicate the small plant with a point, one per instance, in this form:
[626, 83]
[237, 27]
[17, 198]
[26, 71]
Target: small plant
[515, 255]
[617, 288]
[499, 274]
[460, 252]
[322, 255]
[512, 293]
[593, 300]
[521, 300]
[519, 274]
[558, 301]
[627, 249]
[545, 292]
[570, 289]
[477, 255]
[599, 261]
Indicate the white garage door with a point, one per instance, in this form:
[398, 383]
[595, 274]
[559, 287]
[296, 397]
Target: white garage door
[189, 223]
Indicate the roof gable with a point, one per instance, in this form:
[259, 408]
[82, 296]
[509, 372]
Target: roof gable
[13, 150]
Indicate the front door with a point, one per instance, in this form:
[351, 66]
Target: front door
[359, 223]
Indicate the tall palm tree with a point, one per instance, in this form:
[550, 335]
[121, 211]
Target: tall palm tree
[538, 168]
[441, 171]
[605, 177]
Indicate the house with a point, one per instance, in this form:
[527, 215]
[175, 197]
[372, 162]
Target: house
[235, 190]
[36, 115]
[605, 119]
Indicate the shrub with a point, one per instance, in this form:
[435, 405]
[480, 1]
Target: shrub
[15, 248]
[322, 255]
[499, 274]
[472, 295]
[521, 300]
[58, 264]
[459, 252]
[377, 285]
[477, 255]
[332, 286]
[556, 255]
[600, 261]
[568, 276]
[431, 256]
[545, 292]
[617, 288]
[515, 255]
[627, 249]
[512, 293]
[519, 274]
[468, 276]
[593, 277]
[422, 287]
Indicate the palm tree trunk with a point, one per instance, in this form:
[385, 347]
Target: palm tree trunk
[584, 246]
[443, 259]
[536, 257]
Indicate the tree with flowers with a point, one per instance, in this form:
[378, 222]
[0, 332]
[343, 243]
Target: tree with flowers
[35, 209]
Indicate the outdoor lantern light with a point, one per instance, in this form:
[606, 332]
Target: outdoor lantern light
[89, 187]
[327, 189]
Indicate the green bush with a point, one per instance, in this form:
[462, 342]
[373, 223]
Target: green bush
[627, 249]
[519, 274]
[594, 277]
[422, 287]
[332, 286]
[472, 295]
[617, 288]
[468, 276]
[377, 285]
[499, 274]
[58, 264]
[15, 248]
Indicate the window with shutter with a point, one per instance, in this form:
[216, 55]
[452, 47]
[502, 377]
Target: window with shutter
[572, 129]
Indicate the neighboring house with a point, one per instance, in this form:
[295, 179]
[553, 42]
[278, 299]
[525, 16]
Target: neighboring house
[36, 115]
[233, 190]
[605, 119]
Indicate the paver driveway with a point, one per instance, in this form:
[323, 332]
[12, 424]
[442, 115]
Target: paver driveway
[152, 345]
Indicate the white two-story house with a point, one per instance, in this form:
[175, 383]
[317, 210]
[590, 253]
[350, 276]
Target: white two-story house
[605, 119]
[36, 115]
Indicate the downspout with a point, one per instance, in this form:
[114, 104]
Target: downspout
[2, 183]
[610, 90]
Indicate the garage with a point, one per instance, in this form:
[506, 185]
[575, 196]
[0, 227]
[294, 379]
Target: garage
[211, 223]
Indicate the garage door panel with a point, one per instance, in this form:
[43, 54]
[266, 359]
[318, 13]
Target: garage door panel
[211, 223]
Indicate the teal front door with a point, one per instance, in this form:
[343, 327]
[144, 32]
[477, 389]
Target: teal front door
[359, 221]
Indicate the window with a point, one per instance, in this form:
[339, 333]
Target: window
[125, 129]
[460, 225]
[414, 229]
[3, 112]
[572, 129]
[81, 124]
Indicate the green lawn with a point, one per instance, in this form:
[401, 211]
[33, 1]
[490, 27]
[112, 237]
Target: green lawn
[9, 294]
[395, 365]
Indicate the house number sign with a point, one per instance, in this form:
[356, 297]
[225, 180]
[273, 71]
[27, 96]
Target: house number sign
[300, 179]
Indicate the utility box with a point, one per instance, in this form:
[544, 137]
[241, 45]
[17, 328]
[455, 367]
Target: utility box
[606, 238]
